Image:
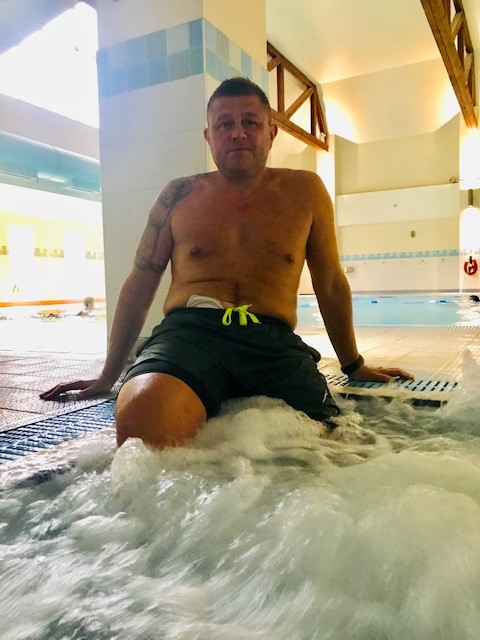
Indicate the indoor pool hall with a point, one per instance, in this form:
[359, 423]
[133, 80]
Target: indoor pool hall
[181, 184]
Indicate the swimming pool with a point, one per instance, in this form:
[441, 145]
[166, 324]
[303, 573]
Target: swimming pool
[399, 310]
[261, 529]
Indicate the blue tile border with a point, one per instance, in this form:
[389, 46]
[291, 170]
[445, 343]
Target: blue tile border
[182, 51]
[402, 255]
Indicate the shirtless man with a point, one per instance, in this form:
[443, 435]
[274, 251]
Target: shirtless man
[237, 239]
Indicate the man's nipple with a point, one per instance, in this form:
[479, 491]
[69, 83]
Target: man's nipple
[196, 252]
[288, 257]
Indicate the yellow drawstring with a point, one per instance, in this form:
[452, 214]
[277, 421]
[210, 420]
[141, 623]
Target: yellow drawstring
[243, 313]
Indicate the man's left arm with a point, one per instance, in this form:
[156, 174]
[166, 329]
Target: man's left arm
[333, 291]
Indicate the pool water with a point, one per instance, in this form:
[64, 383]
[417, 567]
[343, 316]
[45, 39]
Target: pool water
[393, 310]
[262, 529]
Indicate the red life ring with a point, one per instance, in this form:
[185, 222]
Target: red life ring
[470, 266]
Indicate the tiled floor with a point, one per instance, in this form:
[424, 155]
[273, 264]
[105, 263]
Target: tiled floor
[36, 354]
[428, 352]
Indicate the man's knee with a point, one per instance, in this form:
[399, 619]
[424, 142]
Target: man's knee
[158, 408]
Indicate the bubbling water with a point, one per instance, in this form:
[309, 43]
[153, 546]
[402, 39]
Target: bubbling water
[261, 529]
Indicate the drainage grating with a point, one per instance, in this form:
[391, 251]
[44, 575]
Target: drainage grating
[420, 392]
[49, 432]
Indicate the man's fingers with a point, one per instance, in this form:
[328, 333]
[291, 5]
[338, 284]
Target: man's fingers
[398, 373]
[54, 392]
[60, 389]
[381, 374]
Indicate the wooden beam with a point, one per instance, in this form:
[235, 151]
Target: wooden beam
[271, 64]
[296, 131]
[280, 89]
[457, 23]
[298, 102]
[438, 18]
[318, 123]
[313, 117]
[322, 122]
[289, 66]
[468, 65]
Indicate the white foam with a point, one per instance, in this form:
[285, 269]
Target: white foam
[262, 528]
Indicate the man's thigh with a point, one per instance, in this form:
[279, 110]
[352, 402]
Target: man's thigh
[160, 409]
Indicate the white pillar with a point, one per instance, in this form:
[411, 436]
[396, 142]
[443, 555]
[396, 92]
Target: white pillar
[158, 63]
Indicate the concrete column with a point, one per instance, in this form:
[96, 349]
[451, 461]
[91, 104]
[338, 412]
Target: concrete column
[158, 62]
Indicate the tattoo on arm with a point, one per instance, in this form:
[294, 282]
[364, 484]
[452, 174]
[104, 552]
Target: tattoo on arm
[170, 196]
[177, 190]
[146, 264]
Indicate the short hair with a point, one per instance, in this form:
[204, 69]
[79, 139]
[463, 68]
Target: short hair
[239, 87]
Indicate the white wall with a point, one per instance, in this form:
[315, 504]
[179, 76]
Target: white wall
[394, 103]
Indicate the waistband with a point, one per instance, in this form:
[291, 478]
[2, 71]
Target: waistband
[219, 313]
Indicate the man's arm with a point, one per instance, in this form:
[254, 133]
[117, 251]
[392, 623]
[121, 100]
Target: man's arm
[136, 295]
[333, 291]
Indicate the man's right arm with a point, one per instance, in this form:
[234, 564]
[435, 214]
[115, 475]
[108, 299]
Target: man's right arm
[135, 298]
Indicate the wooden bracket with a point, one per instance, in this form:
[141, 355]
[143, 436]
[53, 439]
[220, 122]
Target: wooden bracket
[318, 135]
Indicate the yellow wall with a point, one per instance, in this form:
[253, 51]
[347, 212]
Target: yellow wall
[49, 275]
[48, 234]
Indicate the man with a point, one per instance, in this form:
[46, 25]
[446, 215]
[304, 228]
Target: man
[237, 239]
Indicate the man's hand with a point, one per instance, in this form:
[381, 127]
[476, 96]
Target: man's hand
[88, 389]
[380, 374]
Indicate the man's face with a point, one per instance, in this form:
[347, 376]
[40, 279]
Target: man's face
[240, 135]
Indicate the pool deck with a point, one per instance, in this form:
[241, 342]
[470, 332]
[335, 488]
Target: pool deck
[433, 352]
[36, 354]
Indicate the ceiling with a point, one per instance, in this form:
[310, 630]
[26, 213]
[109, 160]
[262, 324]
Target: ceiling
[328, 40]
[337, 39]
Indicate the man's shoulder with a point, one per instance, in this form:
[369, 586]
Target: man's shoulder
[295, 175]
[299, 181]
[190, 180]
[179, 188]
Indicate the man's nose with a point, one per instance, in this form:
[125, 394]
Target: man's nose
[238, 131]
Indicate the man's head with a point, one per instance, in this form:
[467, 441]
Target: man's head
[239, 87]
[240, 131]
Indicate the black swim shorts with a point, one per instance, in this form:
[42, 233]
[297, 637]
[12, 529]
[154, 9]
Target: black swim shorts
[219, 362]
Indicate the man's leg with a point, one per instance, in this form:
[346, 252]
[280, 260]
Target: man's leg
[158, 408]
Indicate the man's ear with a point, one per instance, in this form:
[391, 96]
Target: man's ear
[205, 133]
[273, 131]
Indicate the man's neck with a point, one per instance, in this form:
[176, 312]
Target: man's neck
[242, 184]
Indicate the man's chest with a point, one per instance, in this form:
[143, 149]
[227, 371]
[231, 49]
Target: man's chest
[224, 226]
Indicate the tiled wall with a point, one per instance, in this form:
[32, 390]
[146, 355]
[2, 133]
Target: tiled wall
[404, 255]
[171, 54]
[386, 272]
[406, 273]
